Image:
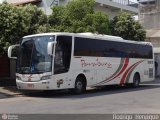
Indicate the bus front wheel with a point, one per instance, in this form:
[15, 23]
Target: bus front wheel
[80, 86]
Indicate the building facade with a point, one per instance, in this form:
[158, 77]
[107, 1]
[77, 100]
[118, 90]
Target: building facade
[149, 17]
[110, 7]
[149, 13]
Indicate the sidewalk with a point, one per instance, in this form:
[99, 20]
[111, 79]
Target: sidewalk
[10, 91]
[2, 96]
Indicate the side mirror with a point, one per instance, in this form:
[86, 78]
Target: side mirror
[50, 47]
[11, 49]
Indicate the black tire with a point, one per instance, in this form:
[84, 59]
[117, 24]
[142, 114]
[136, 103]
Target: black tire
[80, 86]
[136, 80]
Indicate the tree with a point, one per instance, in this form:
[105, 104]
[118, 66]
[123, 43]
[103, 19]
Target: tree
[78, 9]
[78, 16]
[9, 22]
[32, 18]
[126, 27]
[16, 22]
[97, 22]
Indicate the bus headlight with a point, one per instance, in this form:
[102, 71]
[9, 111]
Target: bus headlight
[18, 78]
[46, 77]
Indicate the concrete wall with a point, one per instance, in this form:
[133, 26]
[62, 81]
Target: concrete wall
[119, 4]
[150, 21]
[110, 12]
[46, 5]
[154, 41]
[12, 68]
[149, 14]
[7, 71]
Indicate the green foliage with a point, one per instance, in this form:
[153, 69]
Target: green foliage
[78, 9]
[79, 16]
[57, 15]
[97, 22]
[33, 18]
[16, 22]
[126, 27]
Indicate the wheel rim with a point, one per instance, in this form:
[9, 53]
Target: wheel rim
[136, 81]
[79, 85]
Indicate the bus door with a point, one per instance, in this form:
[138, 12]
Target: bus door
[62, 61]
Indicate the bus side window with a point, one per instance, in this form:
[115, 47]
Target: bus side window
[62, 54]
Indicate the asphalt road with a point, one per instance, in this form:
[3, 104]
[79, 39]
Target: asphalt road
[111, 99]
[2, 96]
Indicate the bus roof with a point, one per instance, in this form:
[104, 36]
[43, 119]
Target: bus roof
[91, 35]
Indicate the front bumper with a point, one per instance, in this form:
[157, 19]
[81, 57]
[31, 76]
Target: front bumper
[39, 85]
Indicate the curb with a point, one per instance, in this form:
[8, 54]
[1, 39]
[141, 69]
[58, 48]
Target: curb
[10, 91]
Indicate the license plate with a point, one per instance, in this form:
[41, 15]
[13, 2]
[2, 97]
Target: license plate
[30, 85]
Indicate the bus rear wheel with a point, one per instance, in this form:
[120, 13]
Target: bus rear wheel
[80, 86]
[136, 80]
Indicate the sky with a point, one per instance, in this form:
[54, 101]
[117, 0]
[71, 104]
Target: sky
[1, 1]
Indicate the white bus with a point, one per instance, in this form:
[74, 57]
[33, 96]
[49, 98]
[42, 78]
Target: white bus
[54, 61]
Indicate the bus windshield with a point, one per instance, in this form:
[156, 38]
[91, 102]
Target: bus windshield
[34, 58]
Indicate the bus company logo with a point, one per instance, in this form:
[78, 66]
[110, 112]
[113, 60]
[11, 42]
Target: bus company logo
[29, 78]
[4, 116]
[97, 63]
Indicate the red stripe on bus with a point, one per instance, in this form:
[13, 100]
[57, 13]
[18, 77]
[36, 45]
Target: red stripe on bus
[124, 67]
[128, 70]
[119, 73]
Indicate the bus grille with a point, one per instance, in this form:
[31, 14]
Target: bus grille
[150, 72]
